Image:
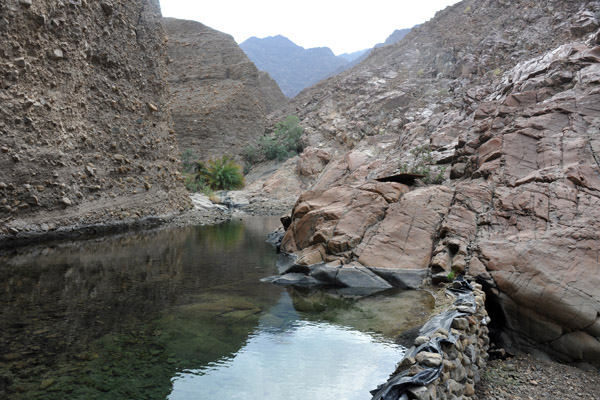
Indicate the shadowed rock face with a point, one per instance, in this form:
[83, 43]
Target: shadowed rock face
[512, 111]
[84, 117]
[220, 99]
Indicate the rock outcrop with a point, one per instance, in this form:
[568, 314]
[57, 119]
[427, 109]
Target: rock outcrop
[85, 129]
[220, 98]
[505, 95]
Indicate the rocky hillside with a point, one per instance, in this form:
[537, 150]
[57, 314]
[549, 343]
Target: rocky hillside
[220, 98]
[360, 56]
[85, 135]
[503, 97]
[292, 66]
[396, 36]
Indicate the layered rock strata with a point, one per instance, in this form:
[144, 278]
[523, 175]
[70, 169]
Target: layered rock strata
[511, 112]
[220, 99]
[85, 135]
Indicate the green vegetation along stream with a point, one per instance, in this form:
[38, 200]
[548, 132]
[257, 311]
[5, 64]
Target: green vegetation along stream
[181, 314]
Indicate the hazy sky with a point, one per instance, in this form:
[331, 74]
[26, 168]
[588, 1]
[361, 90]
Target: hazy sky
[344, 26]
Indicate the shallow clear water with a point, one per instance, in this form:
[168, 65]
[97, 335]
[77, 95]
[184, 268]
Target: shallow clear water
[181, 314]
[297, 360]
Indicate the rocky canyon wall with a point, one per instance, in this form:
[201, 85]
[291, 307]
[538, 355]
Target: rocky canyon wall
[505, 97]
[220, 99]
[85, 127]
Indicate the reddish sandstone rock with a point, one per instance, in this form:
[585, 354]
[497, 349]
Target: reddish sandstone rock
[404, 239]
[312, 161]
[522, 211]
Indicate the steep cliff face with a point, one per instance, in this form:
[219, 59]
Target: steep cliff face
[220, 99]
[85, 132]
[505, 95]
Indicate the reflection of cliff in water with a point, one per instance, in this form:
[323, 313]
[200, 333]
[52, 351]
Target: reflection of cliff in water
[96, 318]
[91, 286]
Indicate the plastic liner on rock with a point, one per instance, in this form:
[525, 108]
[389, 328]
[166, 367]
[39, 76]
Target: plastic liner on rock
[395, 388]
[274, 238]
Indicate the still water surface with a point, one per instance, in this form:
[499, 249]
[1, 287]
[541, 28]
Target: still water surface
[181, 314]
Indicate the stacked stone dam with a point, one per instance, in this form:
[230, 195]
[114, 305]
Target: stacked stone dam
[449, 356]
[85, 127]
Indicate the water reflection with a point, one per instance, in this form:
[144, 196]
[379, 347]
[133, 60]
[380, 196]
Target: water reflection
[115, 317]
[120, 317]
[288, 357]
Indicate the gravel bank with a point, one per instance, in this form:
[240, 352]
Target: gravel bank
[524, 377]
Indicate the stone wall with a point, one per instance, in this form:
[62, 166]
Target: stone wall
[449, 354]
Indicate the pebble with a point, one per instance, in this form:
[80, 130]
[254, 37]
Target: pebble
[524, 377]
[57, 54]
[46, 383]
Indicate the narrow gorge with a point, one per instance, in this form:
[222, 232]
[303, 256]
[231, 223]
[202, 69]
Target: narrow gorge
[468, 149]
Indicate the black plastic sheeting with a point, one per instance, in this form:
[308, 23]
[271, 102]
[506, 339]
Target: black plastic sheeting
[395, 388]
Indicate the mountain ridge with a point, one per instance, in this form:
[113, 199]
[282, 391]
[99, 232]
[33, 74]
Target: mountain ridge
[291, 65]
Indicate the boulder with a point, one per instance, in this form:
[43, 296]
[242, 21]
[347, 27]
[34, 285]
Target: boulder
[312, 161]
[359, 277]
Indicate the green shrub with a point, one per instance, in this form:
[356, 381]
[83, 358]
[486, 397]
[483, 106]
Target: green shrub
[289, 133]
[220, 174]
[272, 149]
[283, 143]
[223, 174]
[187, 160]
[423, 165]
[451, 275]
[194, 182]
[250, 154]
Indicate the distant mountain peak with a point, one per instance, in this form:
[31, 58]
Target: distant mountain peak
[292, 66]
[296, 68]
